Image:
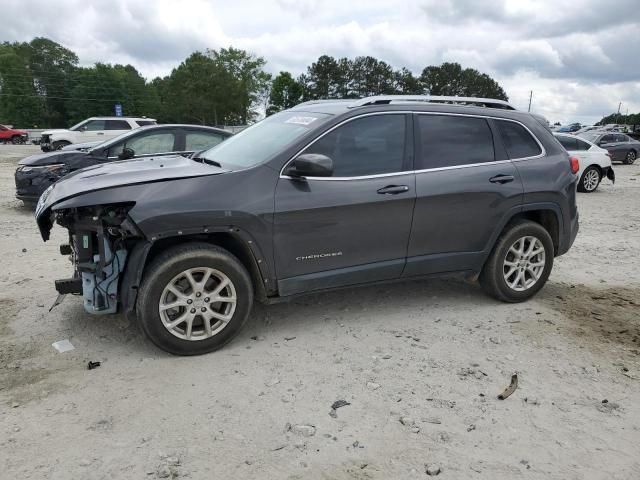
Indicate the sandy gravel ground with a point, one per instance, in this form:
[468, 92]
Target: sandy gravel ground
[421, 365]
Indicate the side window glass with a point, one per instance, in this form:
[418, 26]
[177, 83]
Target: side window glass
[568, 143]
[94, 125]
[117, 125]
[146, 144]
[447, 141]
[365, 146]
[607, 139]
[517, 140]
[621, 138]
[196, 141]
[583, 145]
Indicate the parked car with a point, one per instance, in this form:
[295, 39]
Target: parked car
[595, 162]
[621, 147]
[572, 127]
[320, 196]
[12, 135]
[37, 172]
[94, 129]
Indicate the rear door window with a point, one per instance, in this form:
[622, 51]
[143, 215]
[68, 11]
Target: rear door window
[149, 144]
[197, 141]
[143, 123]
[94, 125]
[621, 138]
[448, 141]
[368, 145]
[582, 145]
[517, 140]
[117, 125]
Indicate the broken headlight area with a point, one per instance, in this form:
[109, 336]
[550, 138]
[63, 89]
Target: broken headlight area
[99, 239]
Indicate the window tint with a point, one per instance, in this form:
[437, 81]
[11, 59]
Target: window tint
[117, 125]
[94, 125]
[365, 146]
[142, 123]
[447, 141]
[621, 138]
[582, 145]
[160, 142]
[197, 141]
[568, 143]
[518, 142]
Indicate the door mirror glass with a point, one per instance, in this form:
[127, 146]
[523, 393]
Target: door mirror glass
[126, 153]
[311, 165]
[84, 128]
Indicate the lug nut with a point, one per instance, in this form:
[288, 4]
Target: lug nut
[203, 309]
[189, 301]
[206, 299]
[193, 310]
[198, 294]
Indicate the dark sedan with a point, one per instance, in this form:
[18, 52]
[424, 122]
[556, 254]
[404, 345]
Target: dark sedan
[621, 147]
[35, 173]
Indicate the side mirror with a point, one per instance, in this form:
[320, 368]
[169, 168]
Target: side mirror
[126, 154]
[84, 129]
[601, 143]
[310, 165]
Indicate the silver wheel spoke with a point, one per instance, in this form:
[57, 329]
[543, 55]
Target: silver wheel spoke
[178, 311]
[527, 265]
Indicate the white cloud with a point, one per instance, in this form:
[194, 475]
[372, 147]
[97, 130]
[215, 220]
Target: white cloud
[579, 61]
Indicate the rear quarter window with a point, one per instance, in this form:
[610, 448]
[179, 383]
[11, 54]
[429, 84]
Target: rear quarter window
[517, 140]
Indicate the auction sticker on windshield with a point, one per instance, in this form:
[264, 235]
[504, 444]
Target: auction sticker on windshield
[301, 120]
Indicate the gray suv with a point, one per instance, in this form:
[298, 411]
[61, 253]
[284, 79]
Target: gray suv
[324, 195]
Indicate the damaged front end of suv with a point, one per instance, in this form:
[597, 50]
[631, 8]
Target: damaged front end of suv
[100, 238]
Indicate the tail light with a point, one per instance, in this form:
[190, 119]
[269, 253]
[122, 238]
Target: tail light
[575, 164]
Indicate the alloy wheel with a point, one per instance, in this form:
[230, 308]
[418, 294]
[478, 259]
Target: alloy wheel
[197, 303]
[631, 157]
[591, 180]
[524, 263]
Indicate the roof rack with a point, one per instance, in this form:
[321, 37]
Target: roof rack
[330, 100]
[387, 99]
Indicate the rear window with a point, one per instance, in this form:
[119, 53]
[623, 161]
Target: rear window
[517, 140]
[143, 123]
[568, 143]
[582, 145]
[447, 141]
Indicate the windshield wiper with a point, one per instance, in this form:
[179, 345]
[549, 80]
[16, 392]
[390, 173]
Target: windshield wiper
[196, 157]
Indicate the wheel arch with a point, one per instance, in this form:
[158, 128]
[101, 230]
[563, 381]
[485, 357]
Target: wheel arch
[235, 242]
[548, 218]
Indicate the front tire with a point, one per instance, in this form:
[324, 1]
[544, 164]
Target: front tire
[590, 180]
[194, 299]
[519, 264]
[630, 158]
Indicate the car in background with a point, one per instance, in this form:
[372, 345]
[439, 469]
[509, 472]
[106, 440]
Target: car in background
[37, 172]
[595, 162]
[585, 129]
[622, 147]
[572, 127]
[12, 135]
[94, 129]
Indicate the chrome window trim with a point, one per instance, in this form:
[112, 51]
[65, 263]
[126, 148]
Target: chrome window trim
[148, 155]
[435, 169]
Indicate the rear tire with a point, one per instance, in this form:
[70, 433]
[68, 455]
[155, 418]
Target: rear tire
[58, 145]
[17, 140]
[512, 277]
[630, 158]
[590, 180]
[176, 268]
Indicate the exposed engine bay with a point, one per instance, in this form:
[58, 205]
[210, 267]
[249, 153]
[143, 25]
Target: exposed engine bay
[100, 238]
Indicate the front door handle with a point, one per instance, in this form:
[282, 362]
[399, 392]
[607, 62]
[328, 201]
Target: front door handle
[393, 189]
[502, 179]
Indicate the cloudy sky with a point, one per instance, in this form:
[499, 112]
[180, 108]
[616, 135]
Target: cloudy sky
[580, 58]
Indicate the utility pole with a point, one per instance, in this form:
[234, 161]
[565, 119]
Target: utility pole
[618, 116]
[530, 97]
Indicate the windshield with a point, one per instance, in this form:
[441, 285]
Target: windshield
[263, 140]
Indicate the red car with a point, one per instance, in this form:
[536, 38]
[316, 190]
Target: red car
[11, 135]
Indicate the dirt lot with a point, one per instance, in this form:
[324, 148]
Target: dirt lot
[420, 363]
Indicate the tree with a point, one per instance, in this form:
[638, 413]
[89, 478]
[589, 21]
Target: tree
[451, 80]
[286, 92]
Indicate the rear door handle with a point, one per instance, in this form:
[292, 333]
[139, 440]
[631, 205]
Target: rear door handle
[393, 189]
[502, 179]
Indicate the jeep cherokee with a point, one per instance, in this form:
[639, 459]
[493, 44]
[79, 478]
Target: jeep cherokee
[326, 194]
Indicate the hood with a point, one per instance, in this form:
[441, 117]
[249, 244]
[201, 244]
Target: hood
[81, 146]
[49, 158]
[55, 130]
[113, 175]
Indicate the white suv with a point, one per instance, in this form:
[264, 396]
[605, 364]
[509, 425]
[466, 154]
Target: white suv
[94, 129]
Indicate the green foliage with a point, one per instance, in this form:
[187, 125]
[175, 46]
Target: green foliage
[631, 119]
[451, 80]
[42, 85]
[286, 92]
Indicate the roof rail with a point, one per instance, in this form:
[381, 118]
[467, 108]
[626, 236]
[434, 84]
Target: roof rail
[386, 99]
[330, 100]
